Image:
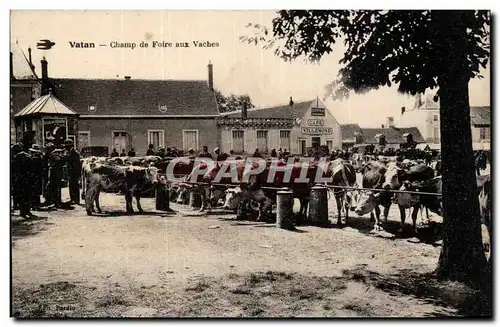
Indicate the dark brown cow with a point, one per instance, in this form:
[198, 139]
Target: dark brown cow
[130, 180]
[342, 173]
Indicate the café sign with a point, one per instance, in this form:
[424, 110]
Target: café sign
[317, 130]
[315, 122]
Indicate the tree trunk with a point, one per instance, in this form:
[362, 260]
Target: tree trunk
[462, 257]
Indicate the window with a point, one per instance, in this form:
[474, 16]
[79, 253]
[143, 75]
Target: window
[436, 117]
[484, 133]
[83, 139]
[156, 137]
[120, 141]
[329, 144]
[237, 139]
[190, 139]
[92, 107]
[262, 141]
[436, 133]
[285, 140]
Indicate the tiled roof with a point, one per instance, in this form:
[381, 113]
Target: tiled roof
[298, 110]
[136, 97]
[393, 135]
[349, 130]
[45, 105]
[480, 116]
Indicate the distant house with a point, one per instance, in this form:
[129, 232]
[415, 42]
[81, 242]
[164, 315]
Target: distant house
[351, 135]
[127, 113]
[385, 137]
[294, 127]
[425, 116]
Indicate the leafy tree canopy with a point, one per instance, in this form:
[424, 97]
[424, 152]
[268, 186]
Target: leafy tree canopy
[232, 102]
[410, 48]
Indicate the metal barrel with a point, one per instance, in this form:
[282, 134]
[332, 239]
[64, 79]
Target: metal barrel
[318, 206]
[284, 204]
[194, 199]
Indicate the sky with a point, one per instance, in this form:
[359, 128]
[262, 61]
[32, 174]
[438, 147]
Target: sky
[238, 67]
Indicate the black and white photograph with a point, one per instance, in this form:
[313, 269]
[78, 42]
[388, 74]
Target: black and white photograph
[251, 164]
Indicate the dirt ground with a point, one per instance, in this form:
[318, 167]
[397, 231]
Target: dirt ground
[183, 264]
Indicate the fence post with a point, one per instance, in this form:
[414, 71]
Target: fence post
[194, 199]
[318, 206]
[284, 204]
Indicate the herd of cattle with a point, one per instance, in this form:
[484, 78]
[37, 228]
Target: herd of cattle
[135, 176]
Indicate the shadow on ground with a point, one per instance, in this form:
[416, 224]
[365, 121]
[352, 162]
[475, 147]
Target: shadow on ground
[469, 301]
[357, 293]
[27, 227]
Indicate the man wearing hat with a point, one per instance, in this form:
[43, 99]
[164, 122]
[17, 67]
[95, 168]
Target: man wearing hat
[219, 156]
[191, 153]
[37, 175]
[55, 159]
[15, 175]
[205, 153]
[22, 162]
[74, 171]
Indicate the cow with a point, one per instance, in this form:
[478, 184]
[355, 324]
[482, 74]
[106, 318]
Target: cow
[263, 191]
[416, 201]
[342, 173]
[130, 180]
[365, 201]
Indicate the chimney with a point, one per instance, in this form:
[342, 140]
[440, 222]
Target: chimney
[291, 102]
[29, 58]
[45, 77]
[390, 121]
[11, 67]
[382, 125]
[244, 110]
[45, 74]
[128, 77]
[403, 109]
[210, 75]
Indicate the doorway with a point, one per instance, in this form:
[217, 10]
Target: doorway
[315, 142]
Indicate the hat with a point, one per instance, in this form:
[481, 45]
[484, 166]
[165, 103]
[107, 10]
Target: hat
[191, 150]
[68, 142]
[216, 149]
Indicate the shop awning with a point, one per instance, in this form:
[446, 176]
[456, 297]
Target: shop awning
[45, 105]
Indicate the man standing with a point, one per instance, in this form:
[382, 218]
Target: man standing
[205, 153]
[131, 153]
[15, 175]
[151, 151]
[55, 160]
[24, 167]
[74, 171]
[37, 172]
[219, 156]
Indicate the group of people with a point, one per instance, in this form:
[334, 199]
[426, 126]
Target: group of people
[40, 172]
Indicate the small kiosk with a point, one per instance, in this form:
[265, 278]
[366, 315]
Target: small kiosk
[50, 119]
